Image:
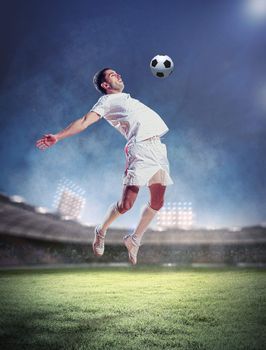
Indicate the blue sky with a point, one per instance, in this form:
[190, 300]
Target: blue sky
[214, 103]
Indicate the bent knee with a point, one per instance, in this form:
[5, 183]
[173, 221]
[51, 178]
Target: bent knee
[123, 207]
[156, 205]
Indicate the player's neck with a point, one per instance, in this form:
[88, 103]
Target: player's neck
[114, 91]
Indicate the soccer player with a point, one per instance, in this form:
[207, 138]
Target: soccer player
[146, 155]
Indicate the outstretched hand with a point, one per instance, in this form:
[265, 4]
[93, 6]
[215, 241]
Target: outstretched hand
[46, 141]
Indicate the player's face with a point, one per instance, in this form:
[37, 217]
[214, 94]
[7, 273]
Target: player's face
[114, 80]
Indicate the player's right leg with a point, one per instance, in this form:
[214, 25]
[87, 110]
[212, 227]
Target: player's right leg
[129, 196]
[157, 192]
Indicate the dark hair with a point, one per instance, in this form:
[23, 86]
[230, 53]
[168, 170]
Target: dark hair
[98, 79]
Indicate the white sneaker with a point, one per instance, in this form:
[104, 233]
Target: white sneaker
[132, 248]
[98, 242]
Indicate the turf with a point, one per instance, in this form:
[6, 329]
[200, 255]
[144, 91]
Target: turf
[138, 308]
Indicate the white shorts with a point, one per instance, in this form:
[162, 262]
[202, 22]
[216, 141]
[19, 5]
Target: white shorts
[146, 163]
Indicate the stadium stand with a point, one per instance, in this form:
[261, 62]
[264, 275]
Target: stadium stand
[29, 237]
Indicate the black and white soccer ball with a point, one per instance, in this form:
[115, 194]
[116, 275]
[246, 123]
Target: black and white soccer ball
[161, 66]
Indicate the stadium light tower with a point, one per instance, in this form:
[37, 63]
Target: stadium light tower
[175, 215]
[69, 200]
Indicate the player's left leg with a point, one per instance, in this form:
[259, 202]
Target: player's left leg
[132, 242]
[157, 192]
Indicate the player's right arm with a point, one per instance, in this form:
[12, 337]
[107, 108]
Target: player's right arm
[75, 127]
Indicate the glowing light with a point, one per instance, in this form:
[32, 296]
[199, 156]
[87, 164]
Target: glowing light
[41, 210]
[255, 9]
[17, 199]
[68, 200]
[171, 216]
[235, 229]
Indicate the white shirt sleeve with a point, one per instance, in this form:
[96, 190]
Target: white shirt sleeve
[101, 107]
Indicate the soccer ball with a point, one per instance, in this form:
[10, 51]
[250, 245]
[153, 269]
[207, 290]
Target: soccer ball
[161, 66]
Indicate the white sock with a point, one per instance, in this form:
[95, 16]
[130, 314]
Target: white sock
[111, 214]
[146, 217]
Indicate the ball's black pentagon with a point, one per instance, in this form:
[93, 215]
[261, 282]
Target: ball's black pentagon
[167, 64]
[154, 62]
[160, 74]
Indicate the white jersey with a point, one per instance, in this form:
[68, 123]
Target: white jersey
[133, 119]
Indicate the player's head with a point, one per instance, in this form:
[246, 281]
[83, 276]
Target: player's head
[107, 81]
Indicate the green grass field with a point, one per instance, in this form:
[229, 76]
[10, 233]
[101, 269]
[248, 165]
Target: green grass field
[133, 308]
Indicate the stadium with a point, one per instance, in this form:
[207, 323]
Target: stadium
[191, 76]
[187, 280]
[29, 237]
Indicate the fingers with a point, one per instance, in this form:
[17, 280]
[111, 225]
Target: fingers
[46, 141]
[42, 146]
[43, 143]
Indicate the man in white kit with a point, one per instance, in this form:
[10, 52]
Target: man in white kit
[146, 156]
